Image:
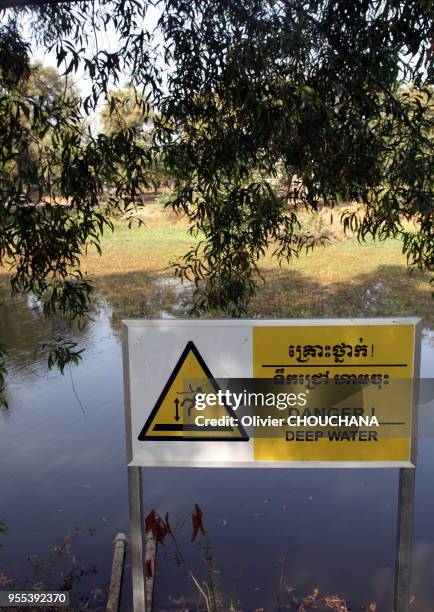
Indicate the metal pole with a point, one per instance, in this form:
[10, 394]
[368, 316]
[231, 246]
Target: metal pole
[117, 571]
[407, 477]
[136, 522]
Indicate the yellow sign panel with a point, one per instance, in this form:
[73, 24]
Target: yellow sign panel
[377, 357]
[171, 419]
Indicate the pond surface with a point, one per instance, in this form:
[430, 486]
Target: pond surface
[64, 495]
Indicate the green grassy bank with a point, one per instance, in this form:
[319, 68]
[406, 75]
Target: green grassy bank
[345, 278]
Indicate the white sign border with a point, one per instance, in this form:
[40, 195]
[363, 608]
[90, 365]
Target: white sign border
[415, 321]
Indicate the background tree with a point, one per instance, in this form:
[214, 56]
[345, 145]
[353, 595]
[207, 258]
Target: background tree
[44, 87]
[46, 82]
[240, 88]
[126, 108]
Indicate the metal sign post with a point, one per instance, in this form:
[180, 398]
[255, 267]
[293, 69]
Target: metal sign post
[136, 531]
[404, 538]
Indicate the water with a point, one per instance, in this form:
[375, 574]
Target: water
[63, 474]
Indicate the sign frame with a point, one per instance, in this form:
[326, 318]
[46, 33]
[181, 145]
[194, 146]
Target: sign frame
[232, 323]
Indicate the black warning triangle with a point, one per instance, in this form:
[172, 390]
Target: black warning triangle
[166, 420]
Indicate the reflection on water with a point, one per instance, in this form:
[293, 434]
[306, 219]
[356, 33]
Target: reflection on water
[63, 467]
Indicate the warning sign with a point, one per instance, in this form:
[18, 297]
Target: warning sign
[358, 379]
[190, 376]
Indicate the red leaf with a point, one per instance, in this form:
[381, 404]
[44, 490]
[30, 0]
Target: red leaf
[150, 522]
[160, 531]
[197, 522]
[157, 526]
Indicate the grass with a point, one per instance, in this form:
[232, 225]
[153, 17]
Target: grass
[343, 279]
